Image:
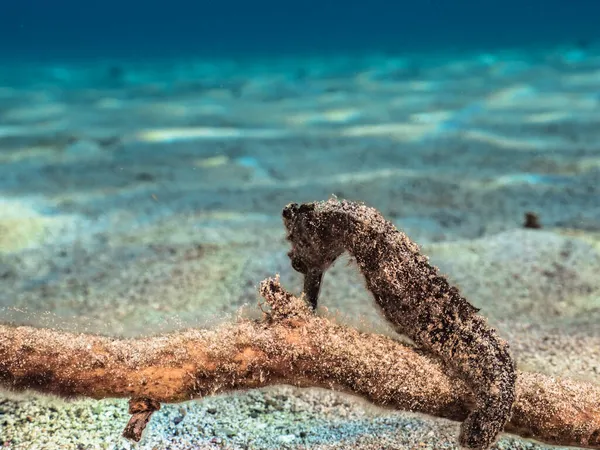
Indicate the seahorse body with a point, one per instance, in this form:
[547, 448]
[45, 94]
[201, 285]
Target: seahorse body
[414, 297]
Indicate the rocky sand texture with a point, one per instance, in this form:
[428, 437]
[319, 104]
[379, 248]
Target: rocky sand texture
[147, 199]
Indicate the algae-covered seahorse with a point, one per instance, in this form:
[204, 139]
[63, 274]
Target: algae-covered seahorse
[414, 297]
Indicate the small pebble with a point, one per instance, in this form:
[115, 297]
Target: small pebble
[287, 438]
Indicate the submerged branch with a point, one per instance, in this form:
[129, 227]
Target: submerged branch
[289, 346]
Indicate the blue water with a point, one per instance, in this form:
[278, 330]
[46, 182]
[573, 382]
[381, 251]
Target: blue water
[69, 28]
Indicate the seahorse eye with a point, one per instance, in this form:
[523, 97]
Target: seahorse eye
[298, 265]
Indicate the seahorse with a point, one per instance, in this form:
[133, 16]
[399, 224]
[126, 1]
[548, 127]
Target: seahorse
[412, 295]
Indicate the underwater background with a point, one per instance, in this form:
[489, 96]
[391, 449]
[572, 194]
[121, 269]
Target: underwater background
[153, 28]
[148, 148]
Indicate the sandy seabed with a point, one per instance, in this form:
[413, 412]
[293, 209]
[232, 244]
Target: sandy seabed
[143, 198]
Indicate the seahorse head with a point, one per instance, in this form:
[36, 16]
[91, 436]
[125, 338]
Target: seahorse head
[315, 246]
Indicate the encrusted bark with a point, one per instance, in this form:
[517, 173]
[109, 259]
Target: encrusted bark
[414, 298]
[288, 346]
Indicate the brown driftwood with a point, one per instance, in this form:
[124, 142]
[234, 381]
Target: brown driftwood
[289, 346]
